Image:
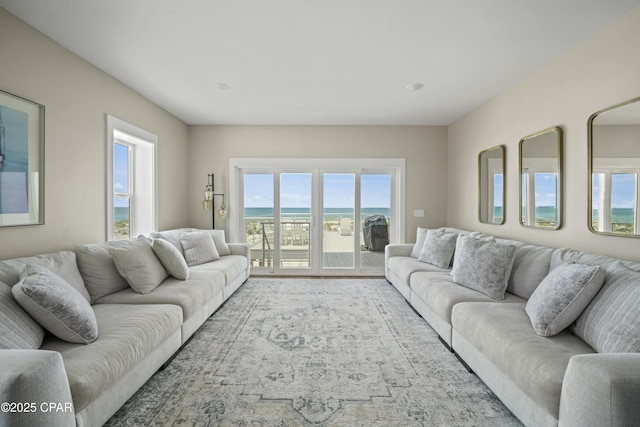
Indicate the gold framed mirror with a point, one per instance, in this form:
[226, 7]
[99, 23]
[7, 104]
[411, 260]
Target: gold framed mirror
[491, 179]
[540, 160]
[614, 170]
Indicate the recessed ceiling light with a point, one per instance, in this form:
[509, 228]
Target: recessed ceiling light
[222, 86]
[414, 86]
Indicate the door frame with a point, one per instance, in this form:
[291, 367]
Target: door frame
[316, 166]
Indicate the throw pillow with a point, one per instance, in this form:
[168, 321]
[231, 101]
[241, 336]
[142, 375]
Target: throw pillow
[56, 305]
[483, 265]
[198, 248]
[220, 242]
[18, 330]
[438, 248]
[611, 322]
[421, 235]
[561, 296]
[171, 258]
[139, 265]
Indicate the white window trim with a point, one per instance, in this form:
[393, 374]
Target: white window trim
[371, 165]
[130, 135]
[606, 167]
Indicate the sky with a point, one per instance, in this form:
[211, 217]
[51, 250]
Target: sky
[623, 189]
[295, 190]
[120, 172]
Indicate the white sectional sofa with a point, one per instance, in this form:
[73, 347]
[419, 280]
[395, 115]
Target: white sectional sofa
[559, 347]
[133, 304]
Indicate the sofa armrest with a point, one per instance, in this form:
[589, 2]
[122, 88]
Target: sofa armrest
[398, 249]
[34, 389]
[601, 389]
[239, 249]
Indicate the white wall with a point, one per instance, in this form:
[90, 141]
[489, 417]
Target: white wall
[424, 148]
[77, 96]
[600, 72]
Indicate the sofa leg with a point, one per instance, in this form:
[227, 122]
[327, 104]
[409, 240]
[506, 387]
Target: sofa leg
[173, 356]
[463, 363]
[444, 343]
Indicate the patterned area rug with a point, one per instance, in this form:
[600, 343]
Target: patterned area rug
[314, 352]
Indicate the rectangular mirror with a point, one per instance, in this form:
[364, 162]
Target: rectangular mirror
[491, 182]
[614, 167]
[541, 179]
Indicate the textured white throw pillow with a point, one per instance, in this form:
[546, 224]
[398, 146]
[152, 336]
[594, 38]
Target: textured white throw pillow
[139, 265]
[171, 258]
[56, 305]
[198, 248]
[220, 241]
[483, 265]
[438, 248]
[562, 296]
[421, 235]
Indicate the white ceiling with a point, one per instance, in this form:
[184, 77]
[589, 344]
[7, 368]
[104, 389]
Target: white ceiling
[319, 62]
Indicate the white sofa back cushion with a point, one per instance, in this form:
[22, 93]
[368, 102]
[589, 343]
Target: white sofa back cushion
[18, 330]
[63, 263]
[611, 322]
[139, 265]
[98, 269]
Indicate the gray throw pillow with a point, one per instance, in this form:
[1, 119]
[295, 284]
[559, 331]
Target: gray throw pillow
[220, 241]
[561, 296]
[483, 265]
[611, 321]
[56, 305]
[438, 248]
[18, 330]
[421, 235]
[198, 248]
[171, 258]
[139, 265]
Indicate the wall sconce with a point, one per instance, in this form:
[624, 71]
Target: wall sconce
[207, 202]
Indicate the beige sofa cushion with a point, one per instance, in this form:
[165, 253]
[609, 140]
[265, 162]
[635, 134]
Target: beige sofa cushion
[99, 270]
[503, 333]
[530, 267]
[18, 330]
[127, 334]
[62, 263]
[190, 295]
[440, 293]
[139, 265]
[611, 322]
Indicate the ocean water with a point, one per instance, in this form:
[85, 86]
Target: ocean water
[618, 215]
[121, 214]
[329, 213]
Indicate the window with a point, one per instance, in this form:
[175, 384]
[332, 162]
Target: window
[317, 216]
[122, 194]
[131, 180]
[615, 200]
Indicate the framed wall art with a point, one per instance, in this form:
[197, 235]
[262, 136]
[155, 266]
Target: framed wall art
[21, 161]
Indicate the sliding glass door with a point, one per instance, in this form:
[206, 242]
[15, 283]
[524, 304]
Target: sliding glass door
[317, 221]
